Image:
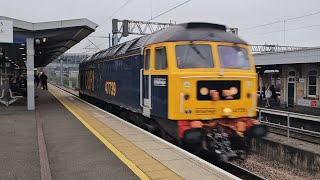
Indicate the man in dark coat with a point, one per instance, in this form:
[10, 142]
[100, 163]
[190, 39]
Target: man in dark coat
[274, 94]
[36, 79]
[43, 79]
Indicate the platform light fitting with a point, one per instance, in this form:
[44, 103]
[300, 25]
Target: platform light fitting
[23, 54]
[37, 41]
[24, 58]
[6, 57]
[44, 39]
[22, 48]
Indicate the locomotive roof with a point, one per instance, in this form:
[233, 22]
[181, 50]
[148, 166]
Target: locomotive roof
[179, 32]
[194, 32]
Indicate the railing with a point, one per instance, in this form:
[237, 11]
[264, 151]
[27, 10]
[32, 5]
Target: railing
[289, 115]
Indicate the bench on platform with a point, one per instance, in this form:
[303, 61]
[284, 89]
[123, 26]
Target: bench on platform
[2, 98]
[13, 97]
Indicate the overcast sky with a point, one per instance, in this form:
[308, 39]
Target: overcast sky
[232, 13]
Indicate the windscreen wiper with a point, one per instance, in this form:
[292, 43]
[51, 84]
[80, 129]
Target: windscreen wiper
[196, 50]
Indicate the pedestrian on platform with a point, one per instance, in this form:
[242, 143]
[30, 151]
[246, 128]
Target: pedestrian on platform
[274, 94]
[44, 79]
[36, 79]
[268, 95]
[263, 92]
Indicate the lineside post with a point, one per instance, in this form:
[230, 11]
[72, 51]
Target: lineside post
[288, 125]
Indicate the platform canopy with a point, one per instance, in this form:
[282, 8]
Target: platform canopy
[25, 46]
[51, 39]
[300, 56]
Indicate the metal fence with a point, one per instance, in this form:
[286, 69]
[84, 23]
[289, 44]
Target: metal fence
[64, 71]
[289, 116]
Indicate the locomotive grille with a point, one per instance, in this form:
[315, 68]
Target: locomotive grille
[219, 86]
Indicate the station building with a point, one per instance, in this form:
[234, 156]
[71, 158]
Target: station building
[295, 74]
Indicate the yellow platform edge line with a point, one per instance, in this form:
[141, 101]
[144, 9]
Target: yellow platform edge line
[121, 156]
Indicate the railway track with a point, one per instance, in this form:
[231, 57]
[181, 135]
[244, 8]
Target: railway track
[294, 133]
[240, 172]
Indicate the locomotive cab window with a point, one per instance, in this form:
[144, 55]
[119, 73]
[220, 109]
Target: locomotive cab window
[233, 57]
[194, 56]
[147, 59]
[161, 59]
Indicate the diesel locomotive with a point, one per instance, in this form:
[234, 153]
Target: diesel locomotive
[194, 83]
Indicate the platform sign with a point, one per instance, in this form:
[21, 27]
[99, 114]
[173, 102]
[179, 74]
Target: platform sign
[313, 103]
[6, 31]
[301, 80]
[309, 103]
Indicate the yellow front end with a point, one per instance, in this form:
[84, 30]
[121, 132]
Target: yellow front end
[214, 92]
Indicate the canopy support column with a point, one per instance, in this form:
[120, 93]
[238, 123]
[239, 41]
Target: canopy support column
[30, 73]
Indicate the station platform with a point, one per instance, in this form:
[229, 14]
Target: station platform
[82, 141]
[295, 109]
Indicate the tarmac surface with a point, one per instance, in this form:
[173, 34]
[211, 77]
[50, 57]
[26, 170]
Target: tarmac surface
[19, 158]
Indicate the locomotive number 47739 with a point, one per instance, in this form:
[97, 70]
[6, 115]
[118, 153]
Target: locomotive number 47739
[110, 88]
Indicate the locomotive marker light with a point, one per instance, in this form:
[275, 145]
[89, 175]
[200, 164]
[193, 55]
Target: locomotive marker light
[204, 91]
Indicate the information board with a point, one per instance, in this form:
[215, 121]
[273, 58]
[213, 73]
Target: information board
[6, 31]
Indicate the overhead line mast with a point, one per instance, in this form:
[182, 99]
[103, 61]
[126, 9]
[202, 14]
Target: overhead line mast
[127, 27]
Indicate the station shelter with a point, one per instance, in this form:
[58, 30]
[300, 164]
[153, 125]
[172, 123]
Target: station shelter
[295, 75]
[26, 46]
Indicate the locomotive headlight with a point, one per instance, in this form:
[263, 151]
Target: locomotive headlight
[227, 111]
[233, 90]
[204, 91]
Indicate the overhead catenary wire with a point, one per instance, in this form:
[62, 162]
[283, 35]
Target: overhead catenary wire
[116, 11]
[93, 43]
[281, 21]
[270, 32]
[152, 18]
[165, 12]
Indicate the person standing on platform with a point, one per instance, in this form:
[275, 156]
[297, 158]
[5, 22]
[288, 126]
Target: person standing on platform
[268, 94]
[36, 79]
[274, 94]
[44, 79]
